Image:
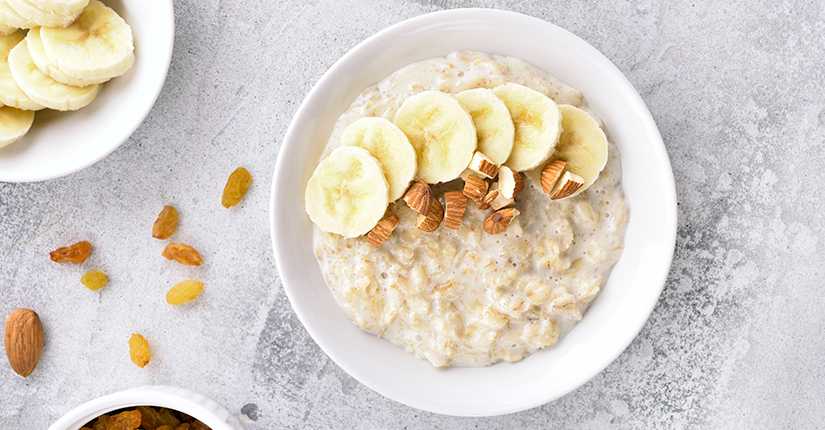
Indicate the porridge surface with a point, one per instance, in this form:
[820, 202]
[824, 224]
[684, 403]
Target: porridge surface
[464, 297]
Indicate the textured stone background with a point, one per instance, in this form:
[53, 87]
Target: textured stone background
[736, 89]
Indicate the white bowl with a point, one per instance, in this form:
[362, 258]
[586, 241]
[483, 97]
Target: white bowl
[615, 317]
[179, 399]
[60, 143]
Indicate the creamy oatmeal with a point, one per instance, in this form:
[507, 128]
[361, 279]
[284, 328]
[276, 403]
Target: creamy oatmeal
[464, 297]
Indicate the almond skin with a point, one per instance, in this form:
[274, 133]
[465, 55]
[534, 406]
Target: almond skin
[24, 341]
[498, 221]
[550, 174]
[456, 204]
[419, 197]
[382, 231]
[432, 221]
[475, 188]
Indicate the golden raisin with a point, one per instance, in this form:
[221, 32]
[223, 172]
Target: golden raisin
[129, 420]
[139, 352]
[75, 254]
[183, 254]
[164, 428]
[184, 292]
[166, 223]
[236, 187]
[100, 424]
[94, 280]
[183, 426]
[197, 425]
[153, 419]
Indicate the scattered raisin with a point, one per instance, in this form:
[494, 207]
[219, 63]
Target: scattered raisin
[236, 187]
[139, 352]
[183, 254]
[75, 254]
[129, 420]
[166, 223]
[183, 292]
[94, 280]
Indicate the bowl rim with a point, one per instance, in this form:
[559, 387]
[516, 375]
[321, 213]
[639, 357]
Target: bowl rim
[193, 404]
[163, 20]
[658, 155]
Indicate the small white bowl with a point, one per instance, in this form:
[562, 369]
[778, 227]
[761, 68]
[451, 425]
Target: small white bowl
[615, 317]
[60, 143]
[195, 405]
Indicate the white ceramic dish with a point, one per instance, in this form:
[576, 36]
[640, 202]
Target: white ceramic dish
[616, 316]
[193, 404]
[60, 143]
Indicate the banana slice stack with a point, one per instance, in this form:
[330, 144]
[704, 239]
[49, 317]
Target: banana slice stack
[484, 136]
[71, 47]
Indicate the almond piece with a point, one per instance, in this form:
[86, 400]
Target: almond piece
[475, 188]
[510, 182]
[494, 195]
[550, 174]
[24, 341]
[456, 204]
[381, 232]
[567, 185]
[433, 219]
[498, 221]
[418, 197]
[483, 165]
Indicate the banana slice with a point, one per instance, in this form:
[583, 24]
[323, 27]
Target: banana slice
[538, 125]
[582, 144]
[43, 89]
[348, 193]
[387, 143]
[14, 123]
[10, 93]
[61, 7]
[441, 132]
[47, 17]
[40, 59]
[11, 18]
[494, 127]
[96, 47]
[6, 30]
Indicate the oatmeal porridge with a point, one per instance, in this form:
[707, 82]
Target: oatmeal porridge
[462, 296]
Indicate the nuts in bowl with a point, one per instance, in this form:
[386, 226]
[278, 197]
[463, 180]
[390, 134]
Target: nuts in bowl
[625, 298]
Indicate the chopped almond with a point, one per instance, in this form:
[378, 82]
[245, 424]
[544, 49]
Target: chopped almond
[500, 220]
[510, 182]
[418, 197]
[382, 231]
[475, 188]
[433, 219]
[550, 174]
[456, 204]
[567, 185]
[483, 165]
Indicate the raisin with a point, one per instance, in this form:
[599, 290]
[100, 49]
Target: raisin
[139, 351]
[183, 292]
[129, 420]
[94, 280]
[183, 426]
[183, 254]
[236, 187]
[197, 425]
[164, 428]
[75, 254]
[100, 424]
[166, 223]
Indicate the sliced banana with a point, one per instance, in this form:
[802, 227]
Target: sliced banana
[47, 17]
[582, 144]
[494, 126]
[11, 18]
[348, 193]
[10, 93]
[43, 89]
[6, 30]
[537, 122]
[61, 7]
[387, 143]
[441, 132]
[14, 123]
[40, 59]
[96, 47]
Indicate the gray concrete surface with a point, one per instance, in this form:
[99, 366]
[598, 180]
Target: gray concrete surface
[735, 342]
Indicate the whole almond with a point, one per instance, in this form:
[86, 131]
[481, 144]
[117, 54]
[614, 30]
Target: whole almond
[24, 341]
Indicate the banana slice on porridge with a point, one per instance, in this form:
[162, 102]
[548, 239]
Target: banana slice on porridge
[537, 124]
[348, 193]
[390, 146]
[441, 132]
[582, 144]
[494, 126]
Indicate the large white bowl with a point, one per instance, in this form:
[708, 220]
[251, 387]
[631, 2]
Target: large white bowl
[615, 317]
[60, 143]
[193, 404]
